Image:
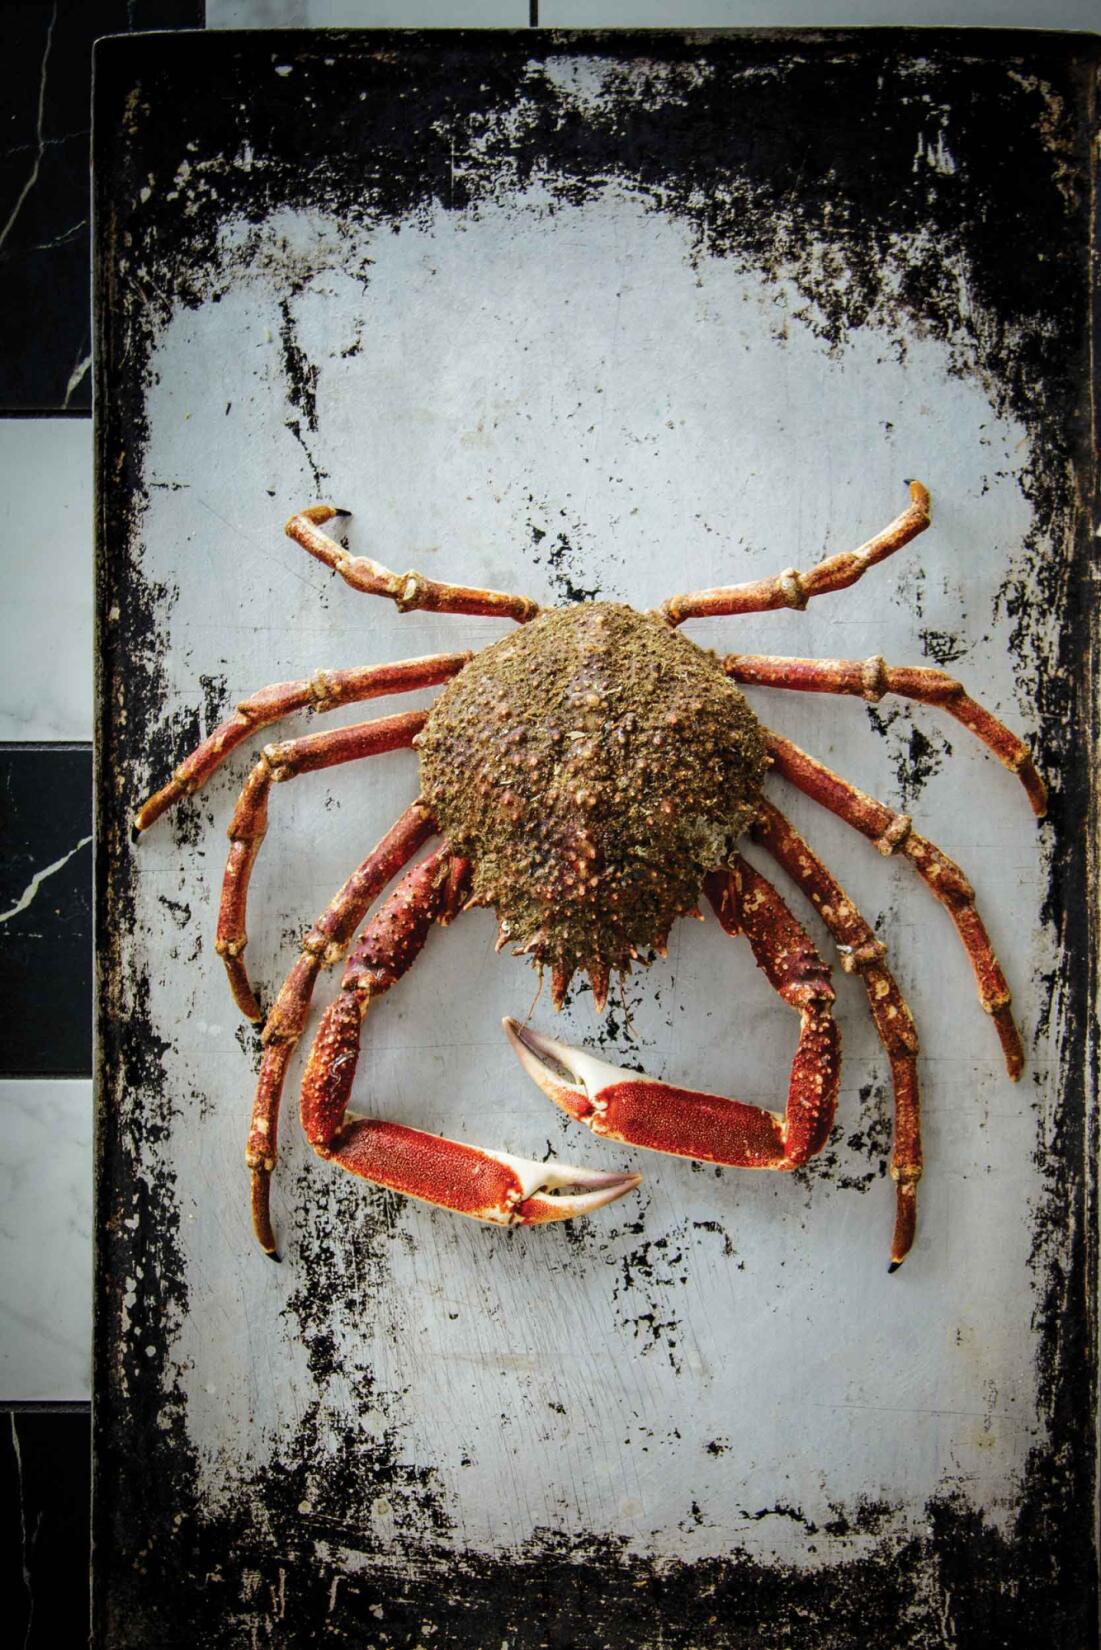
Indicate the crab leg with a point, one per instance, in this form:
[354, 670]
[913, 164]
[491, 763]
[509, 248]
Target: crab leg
[325, 690]
[405, 590]
[662, 1117]
[872, 678]
[794, 589]
[249, 824]
[861, 953]
[324, 945]
[469, 1180]
[891, 832]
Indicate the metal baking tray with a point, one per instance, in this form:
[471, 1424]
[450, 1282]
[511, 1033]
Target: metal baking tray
[597, 316]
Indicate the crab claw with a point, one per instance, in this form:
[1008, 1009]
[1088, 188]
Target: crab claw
[470, 1180]
[641, 1111]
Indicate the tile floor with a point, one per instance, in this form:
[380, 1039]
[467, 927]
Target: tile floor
[46, 701]
[46, 698]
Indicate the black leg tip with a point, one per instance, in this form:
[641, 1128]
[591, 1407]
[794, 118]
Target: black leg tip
[894, 1266]
[273, 1254]
[135, 834]
[337, 511]
[907, 481]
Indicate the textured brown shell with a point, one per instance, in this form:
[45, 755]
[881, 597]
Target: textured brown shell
[594, 766]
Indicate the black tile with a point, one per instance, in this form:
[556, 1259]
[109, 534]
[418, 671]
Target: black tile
[46, 927]
[45, 1538]
[45, 307]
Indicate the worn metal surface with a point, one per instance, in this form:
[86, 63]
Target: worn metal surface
[597, 316]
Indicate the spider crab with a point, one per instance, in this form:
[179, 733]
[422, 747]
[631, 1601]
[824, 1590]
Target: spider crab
[591, 776]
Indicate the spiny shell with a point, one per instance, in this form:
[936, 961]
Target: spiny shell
[594, 766]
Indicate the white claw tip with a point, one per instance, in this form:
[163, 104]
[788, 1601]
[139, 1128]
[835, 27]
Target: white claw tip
[607, 1188]
[554, 1065]
[561, 1191]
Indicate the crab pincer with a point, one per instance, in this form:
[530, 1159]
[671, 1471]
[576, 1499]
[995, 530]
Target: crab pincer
[469, 1180]
[644, 1112]
[472, 1180]
[641, 1111]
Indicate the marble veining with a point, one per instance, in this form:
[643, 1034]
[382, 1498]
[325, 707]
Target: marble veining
[46, 1240]
[46, 910]
[46, 615]
[39, 134]
[39, 878]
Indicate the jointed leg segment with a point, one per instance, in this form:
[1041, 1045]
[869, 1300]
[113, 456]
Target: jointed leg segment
[323, 945]
[872, 678]
[406, 590]
[861, 953]
[891, 832]
[794, 589]
[249, 824]
[325, 690]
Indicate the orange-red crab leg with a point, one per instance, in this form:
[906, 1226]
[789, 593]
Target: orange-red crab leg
[326, 690]
[794, 589]
[665, 1118]
[861, 953]
[469, 1180]
[248, 827]
[324, 945]
[405, 590]
[872, 678]
[891, 832]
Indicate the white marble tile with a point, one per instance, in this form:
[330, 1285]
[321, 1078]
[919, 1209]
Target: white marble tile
[45, 1239]
[706, 14]
[46, 591]
[349, 14]
[685, 14]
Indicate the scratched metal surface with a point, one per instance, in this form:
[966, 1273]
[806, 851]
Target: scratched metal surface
[712, 1391]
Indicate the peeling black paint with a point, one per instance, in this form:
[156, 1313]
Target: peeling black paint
[563, 562]
[301, 375]
[915, 751]
[785, 144]
[941, 646]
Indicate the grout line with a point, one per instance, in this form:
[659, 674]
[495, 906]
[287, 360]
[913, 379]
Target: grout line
[87, 1075]
[45, 412]
[45, 1406]
[15, 746]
